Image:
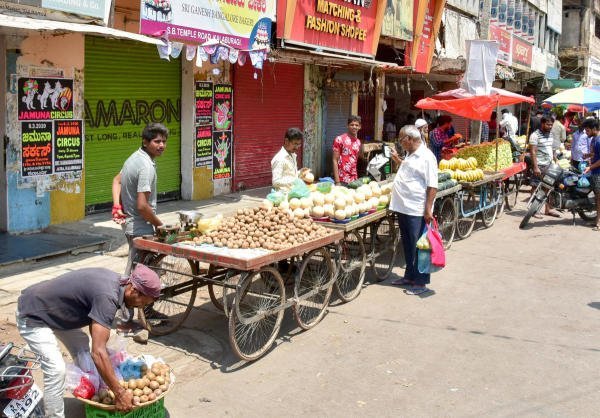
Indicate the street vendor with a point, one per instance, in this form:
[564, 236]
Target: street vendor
[439, 137]
[346, 152]
[284, 165]
[61, 307]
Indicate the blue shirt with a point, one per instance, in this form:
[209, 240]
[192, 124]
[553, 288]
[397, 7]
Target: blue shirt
[596, 156]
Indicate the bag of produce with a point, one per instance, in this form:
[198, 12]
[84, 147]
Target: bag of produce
[207, 225]
[324, 187]
[299, 190]
[276, 197]
[438, 255]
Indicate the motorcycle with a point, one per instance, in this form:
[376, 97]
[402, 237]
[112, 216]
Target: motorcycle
[563, 190]
[20, 397]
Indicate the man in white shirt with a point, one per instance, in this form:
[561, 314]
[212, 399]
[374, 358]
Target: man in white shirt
[559, 133]
[415, 186]
[284, 165]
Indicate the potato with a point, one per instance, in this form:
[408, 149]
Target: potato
[151, 376]
[136, 400]
[103, 393]
[123, 384]
[95, 398]
[163, 387]
[143, 399]
[158, 392]
[160, 380]
[107, 401]
[138, 392]
[147, 391]
[140, 383]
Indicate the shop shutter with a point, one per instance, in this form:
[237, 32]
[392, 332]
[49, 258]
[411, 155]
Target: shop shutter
[126, 82]
[263, 109]
[337, 111]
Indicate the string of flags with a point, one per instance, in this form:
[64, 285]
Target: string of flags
[213, 51]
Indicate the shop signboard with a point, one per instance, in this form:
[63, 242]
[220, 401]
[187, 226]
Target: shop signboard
[398, 20]
[351, 27]
[36, 148]
[204, 102]
[44, 98]
[521, 52]
[94, 8]
[204, 141]
[76, 11]
[504, 38]
[222, 152]
[68, 146]
[239, 24]
[427, 20]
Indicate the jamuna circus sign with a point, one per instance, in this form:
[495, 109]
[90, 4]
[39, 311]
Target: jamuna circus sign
[339, 25]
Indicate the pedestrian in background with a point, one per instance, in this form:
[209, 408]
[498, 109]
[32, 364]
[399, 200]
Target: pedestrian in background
[415, 186]
[346, 151]
[592, 130]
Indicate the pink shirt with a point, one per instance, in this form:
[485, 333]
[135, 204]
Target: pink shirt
[348, 148]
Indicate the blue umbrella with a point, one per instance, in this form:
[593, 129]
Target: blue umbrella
[584, 96]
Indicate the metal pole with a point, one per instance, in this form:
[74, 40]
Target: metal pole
[497, 131]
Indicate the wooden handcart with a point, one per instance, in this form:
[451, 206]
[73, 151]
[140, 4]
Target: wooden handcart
[372, 239]
[445, 209]
[247, 284]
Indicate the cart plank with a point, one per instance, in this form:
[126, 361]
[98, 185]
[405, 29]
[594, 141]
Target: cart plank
[449, 191]
[357, 223]
[486, 179]
[213, 255]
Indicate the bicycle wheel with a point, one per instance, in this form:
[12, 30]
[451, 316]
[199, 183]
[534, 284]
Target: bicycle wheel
[313, 287]
[256, 314]
[221, 296]
[512, 186]
[385, 244]
[447, 221]
[465, 225]
[350, 267]
[177, 295]
[500, 199]
[488, 198]
[534, 208]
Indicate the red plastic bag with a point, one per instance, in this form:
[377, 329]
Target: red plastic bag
[85, 389]
[438, 255]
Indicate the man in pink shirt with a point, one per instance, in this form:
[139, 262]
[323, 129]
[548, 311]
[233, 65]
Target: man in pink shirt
[346, 151]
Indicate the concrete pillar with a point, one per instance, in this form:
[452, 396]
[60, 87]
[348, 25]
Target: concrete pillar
[379, 99]
[313, 119]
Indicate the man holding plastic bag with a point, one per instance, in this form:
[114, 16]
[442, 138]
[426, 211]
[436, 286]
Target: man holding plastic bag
[59, 308]
[414, 190]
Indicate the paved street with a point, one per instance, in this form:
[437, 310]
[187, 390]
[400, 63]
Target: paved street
[511, 330]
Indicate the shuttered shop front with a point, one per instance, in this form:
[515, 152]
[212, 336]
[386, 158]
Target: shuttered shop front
[264, 108]
[337, 111]
[127, 86]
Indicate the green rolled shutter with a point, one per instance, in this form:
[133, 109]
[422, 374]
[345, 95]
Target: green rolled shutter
[127, 85]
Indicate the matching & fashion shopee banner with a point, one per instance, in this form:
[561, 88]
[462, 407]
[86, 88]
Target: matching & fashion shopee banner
[241, 24]
[348, 26]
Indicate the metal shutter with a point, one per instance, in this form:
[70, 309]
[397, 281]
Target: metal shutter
[337, 111]
[263, 109]
[117, 71]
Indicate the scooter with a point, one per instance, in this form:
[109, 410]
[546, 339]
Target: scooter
[20, 397]
[561, 189]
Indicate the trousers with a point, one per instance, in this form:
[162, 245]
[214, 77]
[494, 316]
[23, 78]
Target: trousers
[43, 341]
[411, 228]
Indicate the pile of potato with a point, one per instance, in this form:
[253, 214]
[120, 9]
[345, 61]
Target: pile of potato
[267, 228]
[153, 384]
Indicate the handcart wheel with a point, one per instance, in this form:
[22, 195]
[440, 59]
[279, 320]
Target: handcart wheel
[501, 200]
[177, 295]
[511, 190]
[447, 221]
[384, 245]
[256, 314]
[313, 287]
[465, 225]
[488, 197]
[351, 265]
[221, 296]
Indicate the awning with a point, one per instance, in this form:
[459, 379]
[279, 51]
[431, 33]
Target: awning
[29, 24]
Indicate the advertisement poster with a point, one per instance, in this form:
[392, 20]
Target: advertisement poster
[204, 102]
[223, 107]
[204, 147]
[36, 148]
[45, 98]
[427, 21]
[68, 146]
[398, 20]
[335, 25]
[239, 24]
[521, 52]
[222, 150]
[504, 38]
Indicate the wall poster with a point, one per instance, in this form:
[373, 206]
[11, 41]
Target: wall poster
[223, 107]
[68, 146]
[222, 151]
[204, 147]
[45, 98]
[204, 102]
[36, 148]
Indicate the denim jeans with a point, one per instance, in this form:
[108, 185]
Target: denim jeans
[43, 342]
[411, 228]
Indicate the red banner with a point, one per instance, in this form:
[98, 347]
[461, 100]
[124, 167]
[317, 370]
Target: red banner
[427, 19]
[338, 25]
[521, 52]
[505, 39]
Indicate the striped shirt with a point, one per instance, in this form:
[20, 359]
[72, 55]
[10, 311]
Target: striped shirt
[543, 142]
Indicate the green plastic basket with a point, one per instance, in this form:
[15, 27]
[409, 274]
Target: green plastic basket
[154, 410]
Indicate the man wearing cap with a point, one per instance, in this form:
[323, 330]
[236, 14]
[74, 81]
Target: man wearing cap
[58, 309]
[421, 125]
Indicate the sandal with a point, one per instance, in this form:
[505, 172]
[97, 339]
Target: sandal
[402, 282]
[417, 290]
[596, 228]
[553, 214]
[538, 216]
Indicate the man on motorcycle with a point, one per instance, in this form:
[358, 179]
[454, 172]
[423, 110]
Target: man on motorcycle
[542, 153]
[59, 308]
[592, 130]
